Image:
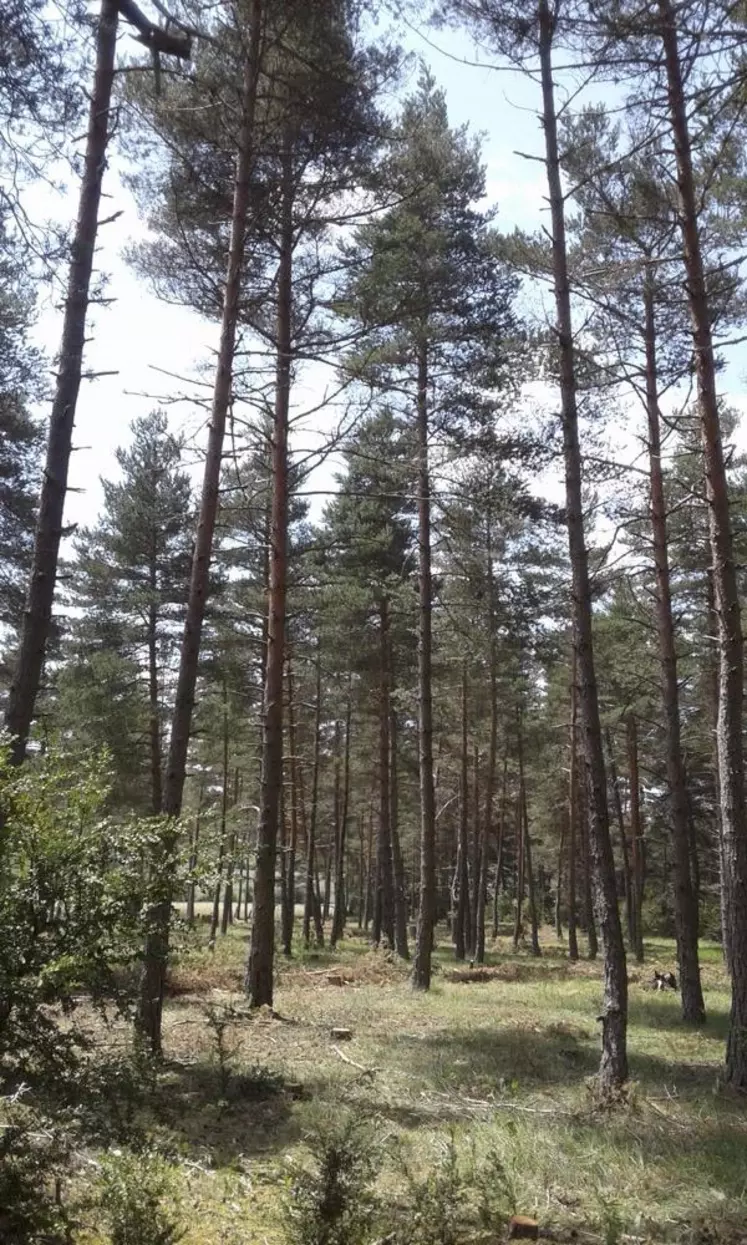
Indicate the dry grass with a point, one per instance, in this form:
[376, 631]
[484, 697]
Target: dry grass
[507, 1063]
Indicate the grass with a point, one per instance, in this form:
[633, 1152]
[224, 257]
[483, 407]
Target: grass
[504, 1065]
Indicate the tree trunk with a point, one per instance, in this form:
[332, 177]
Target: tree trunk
[37, 618]
[685, 908]
[148, 1018]
[398, 866]
[627, 877]
[384, 905]
[227, 914]
[312, 910]
[573, 810]
[369, 871]
[500, 843]
[338, 918]
[614, 1063]
[636, 831]
[588, 915]
[194, 846]
[259, 969]
[462, 918]
[520, 859]
[421, 977]
[731, 656]
[153, 705]
[559, 884]
[289, 909]
[223, 825]
[527, 844]
[712, 696]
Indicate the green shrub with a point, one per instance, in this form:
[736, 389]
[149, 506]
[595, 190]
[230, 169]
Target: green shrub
[459, 1194]
[74, 885]
[134, 1195]
[33, 1154]
[330, 1201]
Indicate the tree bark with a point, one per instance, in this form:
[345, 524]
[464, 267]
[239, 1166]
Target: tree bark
[259, 969]
[289, 909]
[384, 906]
[193, 850]
[636, 833]
[559, 884]
[520, 862]
[398, 865]
[573, 810]
[223, 825]
[37, 618]
[731, 655]
[311, 909]
[150, 1007]
[421, 977]
[613, 1070]
[630, 892]
[156, 785]
[527, 845]
[227, 913]
[685, 907]
[500, 843]
[589, 924]
[340, 910]
[462, 916]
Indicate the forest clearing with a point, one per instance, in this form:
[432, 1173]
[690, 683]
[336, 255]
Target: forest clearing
[373, 812]
[500, 1069]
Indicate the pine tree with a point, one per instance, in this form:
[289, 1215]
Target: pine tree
[129, 581]
[436, 303]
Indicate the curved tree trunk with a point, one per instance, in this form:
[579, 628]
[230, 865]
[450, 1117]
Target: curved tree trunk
[613, 1070]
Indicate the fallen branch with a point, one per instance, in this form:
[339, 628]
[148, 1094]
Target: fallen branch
[346, 1059]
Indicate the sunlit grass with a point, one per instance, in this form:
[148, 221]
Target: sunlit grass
[507, 1063]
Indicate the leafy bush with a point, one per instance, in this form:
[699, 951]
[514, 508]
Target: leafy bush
[134, 1195]
[74, 885]
[331, 1202]
[33, 1153]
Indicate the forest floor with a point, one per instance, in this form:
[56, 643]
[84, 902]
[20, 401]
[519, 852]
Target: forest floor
[496, 1071]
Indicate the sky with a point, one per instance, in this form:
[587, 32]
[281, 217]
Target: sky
[147, 343]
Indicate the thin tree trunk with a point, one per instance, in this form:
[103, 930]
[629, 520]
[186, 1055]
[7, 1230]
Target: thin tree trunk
[37, 618]
[156, 786]
[573, 810]
[589, 923]
[462, 920]
[731, 656]
[259, 969]
[338, 918]
[289, 911]
[520, 843]
[194, 846]
[150, 1008]
[223, 825]
[628, 880]
[227, 913]
[500, 843]
[636, 831]
[384, 903]
[398, 866]
[712, 694]
[527, 843]
[614, 1064]
[421, 976]
[685, 907]
[477, 853]
[369, 870]
[559, 883]
[312, 911]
